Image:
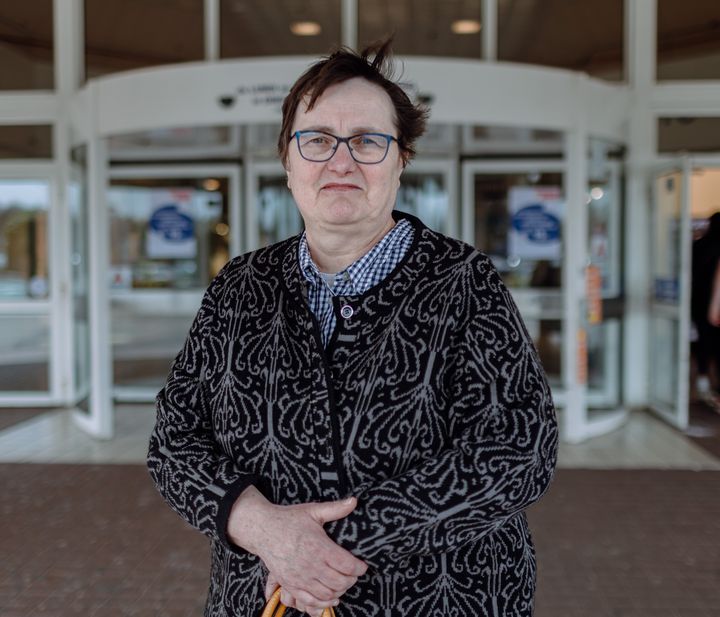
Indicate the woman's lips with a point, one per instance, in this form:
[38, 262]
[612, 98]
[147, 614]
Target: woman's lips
[336, 186]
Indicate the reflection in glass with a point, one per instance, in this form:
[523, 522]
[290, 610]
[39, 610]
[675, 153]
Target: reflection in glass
[425, 196]
[547, 335]
[169, 238]
[23, 239]
[24, 353]
[167, 233]
[79, 263]
[603, 346]
[665, 354]
[189, 142]
[666, 237]
[277, 215]
[604, 209]
[518, 223]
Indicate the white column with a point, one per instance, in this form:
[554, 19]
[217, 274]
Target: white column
[349, 18]
[489, 30]
[640, 46]
[575, 418]
[69, 68]
[212, 29]
[100, 421]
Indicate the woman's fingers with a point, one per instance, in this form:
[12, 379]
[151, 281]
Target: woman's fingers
[307, 602]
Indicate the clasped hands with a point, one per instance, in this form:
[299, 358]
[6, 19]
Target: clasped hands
[313, 571]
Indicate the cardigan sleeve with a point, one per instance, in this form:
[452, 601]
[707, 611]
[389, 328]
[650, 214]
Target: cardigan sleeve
[185, 461]
[501, 454]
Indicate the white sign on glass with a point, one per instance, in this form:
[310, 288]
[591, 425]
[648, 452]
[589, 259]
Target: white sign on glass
[536, 214]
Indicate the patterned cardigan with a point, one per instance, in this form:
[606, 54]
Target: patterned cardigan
[429, 404]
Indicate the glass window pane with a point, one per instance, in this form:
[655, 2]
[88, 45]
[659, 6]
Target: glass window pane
[451, 28]
[278, 216]
[603, 347]
[148, 330]
[547, 335]
[26, 45]
[676, 135]
[687, 40]
[604, 202]
[79, 261]
[582, 36]
[169, 237]
[518, 223]
[425, 195]
[665, 358]
[129, 34]
[169, 139]
[26, 142]
[168, 233]
[24, 353]
[261, 28]
[23, 239]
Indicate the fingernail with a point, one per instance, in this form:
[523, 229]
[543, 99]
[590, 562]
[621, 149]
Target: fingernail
[349, 499]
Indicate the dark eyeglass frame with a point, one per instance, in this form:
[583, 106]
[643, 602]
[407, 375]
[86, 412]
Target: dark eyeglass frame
[344, 140]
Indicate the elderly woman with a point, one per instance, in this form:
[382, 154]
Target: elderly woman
[358, 414]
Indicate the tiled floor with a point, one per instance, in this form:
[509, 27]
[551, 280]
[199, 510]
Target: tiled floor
[644, 442]
[629, 528]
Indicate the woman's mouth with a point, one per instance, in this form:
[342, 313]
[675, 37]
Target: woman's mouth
[340, 186]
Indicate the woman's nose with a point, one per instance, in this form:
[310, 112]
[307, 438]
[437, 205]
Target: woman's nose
[342, 160]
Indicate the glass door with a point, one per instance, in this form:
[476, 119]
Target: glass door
[171, 231]
[670, 293]
[604, 302]
[25, 289]
[515, 212]
[77, 199]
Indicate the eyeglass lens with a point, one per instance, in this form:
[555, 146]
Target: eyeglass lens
[364, 148]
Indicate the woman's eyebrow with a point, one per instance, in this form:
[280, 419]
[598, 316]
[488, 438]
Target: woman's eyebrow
[354, 131]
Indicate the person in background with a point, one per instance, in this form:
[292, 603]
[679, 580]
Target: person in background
[705, 261]
[358, 415]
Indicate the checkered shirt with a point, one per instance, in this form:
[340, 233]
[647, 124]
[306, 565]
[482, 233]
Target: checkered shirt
[357, 278]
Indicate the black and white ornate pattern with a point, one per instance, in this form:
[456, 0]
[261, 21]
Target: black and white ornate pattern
[429, 404]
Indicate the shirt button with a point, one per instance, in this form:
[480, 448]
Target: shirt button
[346, 276]
[346, 311]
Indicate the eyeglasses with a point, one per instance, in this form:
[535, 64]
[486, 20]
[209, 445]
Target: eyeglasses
[365, 148]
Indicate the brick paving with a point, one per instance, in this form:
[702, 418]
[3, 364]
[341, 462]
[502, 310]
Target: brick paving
[94, 540]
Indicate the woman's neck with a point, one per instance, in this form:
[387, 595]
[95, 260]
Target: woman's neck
[334, 252]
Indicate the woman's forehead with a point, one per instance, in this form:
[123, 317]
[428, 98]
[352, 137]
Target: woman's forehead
[357, 101]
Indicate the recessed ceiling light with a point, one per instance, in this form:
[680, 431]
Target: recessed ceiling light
[466, 26]
[305, 28]
[211, 184]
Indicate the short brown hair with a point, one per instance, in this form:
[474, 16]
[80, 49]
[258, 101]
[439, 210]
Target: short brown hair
[374, 63]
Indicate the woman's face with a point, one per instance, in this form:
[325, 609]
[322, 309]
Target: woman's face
[340, 194]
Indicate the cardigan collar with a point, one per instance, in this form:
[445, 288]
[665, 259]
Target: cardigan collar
[418, 255]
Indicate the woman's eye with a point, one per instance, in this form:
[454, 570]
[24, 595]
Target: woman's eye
[368, 140]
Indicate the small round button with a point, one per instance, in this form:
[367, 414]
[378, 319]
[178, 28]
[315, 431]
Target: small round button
[347, 311]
